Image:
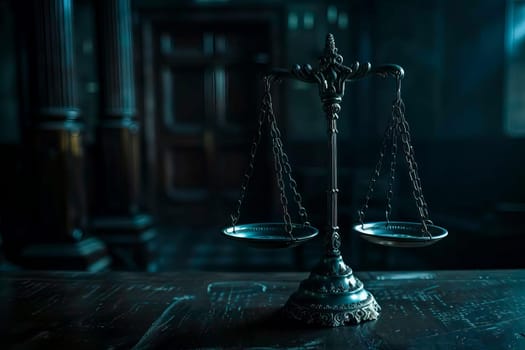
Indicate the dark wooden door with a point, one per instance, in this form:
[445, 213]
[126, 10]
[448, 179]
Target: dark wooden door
[205, 74]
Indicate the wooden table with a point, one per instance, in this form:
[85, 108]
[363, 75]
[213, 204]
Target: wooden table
[421, 310]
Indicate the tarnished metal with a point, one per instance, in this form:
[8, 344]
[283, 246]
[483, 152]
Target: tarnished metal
[400, 233]
[332, 296]
[398, 128]
[265, 235]
[270, 235]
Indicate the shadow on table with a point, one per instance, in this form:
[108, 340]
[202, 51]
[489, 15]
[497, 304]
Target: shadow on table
[264, 330]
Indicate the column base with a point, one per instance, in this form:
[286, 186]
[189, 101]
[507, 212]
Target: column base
[89, 254]
[331, 297]
[131, 241]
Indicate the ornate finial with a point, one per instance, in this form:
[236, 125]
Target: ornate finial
[330, 55]
[330, 48]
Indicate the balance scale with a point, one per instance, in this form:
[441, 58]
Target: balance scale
[332, 296]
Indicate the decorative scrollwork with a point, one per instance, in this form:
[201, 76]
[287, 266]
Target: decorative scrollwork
[330, 77]
[333, 242]
[304, 72]
[332, 109]
[330, 56]
[386, 70]
[332, 288]
[333, 316]
[331, 296]
[336, 240]
[359, 70]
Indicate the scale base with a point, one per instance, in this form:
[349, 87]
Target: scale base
[331, 297]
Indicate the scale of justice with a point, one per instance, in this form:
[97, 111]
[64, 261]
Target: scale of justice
[332, 296]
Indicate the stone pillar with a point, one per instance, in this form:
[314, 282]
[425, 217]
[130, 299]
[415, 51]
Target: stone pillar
[58, 199]
[119, 221]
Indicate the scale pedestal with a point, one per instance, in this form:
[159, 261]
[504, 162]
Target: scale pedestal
[332, 296]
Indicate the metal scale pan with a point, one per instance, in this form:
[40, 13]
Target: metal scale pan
[400, 234]
[285, 234]
[331, 296]
[270, 235]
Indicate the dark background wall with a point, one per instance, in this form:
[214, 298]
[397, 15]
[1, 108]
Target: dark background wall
[463, 91]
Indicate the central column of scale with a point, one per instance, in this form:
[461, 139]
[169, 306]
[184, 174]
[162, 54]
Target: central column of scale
[331, 107]
[331, 296]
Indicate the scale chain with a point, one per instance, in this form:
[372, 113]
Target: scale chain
[413, 170]
[398, 127]
[393, 164]
[376, 173]
[249, 172]
[278, 164]
[281, 164]
[288, 169]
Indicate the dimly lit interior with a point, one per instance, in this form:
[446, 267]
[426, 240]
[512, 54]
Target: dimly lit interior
[165, 154]
[128, 139]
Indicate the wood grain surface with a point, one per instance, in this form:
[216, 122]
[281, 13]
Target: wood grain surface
[421, 310]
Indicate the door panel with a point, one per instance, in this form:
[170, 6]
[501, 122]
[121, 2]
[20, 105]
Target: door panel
[206, 97]
[180, 86]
